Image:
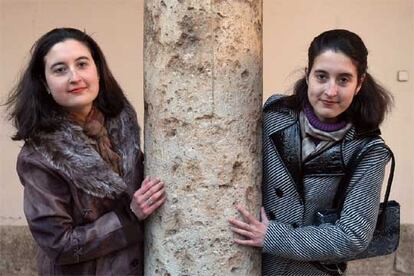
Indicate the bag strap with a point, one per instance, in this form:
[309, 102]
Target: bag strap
[349, 171]
[382, 217]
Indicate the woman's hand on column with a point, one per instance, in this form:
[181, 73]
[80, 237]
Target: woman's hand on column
[148, 198]
[252, 229]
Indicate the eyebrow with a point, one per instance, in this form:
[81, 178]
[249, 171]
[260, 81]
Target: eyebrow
[62, 63]
[345, 74]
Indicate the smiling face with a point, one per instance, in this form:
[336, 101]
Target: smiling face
[72, 76]
[332, 84]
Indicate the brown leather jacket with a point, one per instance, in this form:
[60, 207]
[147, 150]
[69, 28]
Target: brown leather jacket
[77, 208]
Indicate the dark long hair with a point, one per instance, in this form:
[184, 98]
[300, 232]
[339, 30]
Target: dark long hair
[369, 106]
[32, 109]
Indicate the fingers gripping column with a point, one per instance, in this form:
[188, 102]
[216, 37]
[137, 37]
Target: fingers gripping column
[203, 97]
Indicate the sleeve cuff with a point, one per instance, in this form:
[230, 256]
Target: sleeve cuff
[131, 226]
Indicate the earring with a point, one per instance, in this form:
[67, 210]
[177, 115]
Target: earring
[47, 88]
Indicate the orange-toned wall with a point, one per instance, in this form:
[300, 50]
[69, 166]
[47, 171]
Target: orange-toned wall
[387, 27]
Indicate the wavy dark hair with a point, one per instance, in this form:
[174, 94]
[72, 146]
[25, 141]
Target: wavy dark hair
[369, 106]
[32, 109]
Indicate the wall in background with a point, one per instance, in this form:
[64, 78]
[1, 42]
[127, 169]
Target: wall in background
[386, 26]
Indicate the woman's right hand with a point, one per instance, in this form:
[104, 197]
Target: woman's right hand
[148, 198]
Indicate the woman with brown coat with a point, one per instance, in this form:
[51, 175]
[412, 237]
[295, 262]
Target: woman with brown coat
[81, 164]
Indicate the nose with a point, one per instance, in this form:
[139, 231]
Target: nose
[74, 76]
[332, 90]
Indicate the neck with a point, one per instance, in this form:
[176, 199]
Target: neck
[80, 115]
[318, 124]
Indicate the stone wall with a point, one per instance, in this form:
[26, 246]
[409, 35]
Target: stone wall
[17, 255]
[17, 251]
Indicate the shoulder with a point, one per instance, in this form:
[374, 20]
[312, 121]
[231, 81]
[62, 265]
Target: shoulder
[33, 156]
[28, 154]
[368, 146]
[377, 145]
[273, 101]
[365, 139]
[279, 103]
[52, 151]
[35, 172]
[277, 108]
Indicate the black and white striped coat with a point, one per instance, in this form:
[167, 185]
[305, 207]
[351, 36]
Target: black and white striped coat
[291, 201]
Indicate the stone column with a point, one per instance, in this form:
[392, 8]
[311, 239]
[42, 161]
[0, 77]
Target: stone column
[203, 97]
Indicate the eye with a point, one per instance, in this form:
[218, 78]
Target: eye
[343, 81]
[59, 70]
[321, 77]
[83, 64]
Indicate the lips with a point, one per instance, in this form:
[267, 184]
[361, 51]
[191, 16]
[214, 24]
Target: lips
[329, 103]
[77, 90]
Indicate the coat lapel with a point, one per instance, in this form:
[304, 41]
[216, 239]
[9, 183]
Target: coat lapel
[282, 128]
[287, 143]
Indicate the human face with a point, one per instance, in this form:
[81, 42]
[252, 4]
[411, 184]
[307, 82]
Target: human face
[332, 84]
[71, 76]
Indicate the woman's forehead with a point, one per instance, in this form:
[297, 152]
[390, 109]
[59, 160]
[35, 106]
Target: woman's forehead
[67, 50]
[335, 62]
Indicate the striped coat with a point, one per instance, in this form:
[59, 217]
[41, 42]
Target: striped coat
[293, 191]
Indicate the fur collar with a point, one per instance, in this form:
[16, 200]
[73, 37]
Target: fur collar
[69, 151]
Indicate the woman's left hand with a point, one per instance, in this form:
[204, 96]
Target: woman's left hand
[252, 229]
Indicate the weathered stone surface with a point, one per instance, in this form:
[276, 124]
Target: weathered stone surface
[404, 261]
[17, 251]
[203, 97]
[383, 265]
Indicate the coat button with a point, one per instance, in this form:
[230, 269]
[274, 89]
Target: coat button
[86, 212]
[279, 192]
[135, 262]
[271, 215]
[295, 225]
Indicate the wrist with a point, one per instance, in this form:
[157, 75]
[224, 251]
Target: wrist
[134, 210]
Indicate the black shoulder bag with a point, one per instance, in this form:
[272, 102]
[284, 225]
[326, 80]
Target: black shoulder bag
[386, 236]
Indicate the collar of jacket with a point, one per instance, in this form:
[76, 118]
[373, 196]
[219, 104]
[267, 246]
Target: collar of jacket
[69, 152]
[288, 117]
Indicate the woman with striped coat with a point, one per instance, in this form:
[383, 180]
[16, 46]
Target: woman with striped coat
[308, 140]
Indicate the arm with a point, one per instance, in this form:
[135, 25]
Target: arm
[352, 232]
[48, 207]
